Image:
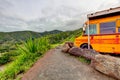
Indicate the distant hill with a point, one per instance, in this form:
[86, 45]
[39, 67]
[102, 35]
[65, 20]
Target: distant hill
[23, 35]
[64, 36]
[50, 32]
[55, 36]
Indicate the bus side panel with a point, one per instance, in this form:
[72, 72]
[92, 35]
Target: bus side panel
[81, 40]
[110, 43]
[101, 43]
[95, 42]
[106, 43]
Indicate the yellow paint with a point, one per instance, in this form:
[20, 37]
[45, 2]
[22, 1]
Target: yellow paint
[102, 43]
[118, 23]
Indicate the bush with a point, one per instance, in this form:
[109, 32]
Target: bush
[30, 51]
[4, 59]
[35, 46]
[8, 57]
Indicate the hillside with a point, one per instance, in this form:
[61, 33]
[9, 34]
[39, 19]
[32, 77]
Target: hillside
[56, 36]
[8, 40]
[64, 36]
[19, 54]
[50, 32]
[23, 35]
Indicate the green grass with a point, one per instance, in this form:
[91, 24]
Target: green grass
[82, 59]
[4, 58]
[35, 46]
[30, 51]
[8, 57]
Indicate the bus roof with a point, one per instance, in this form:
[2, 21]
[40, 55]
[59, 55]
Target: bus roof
[104, 13]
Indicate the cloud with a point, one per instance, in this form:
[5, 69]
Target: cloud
[45, 15]
[109, 4]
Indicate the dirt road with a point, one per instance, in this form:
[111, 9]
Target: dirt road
[56, 65]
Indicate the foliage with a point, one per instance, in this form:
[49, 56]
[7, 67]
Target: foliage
[4, 59]
[23, 35]
[64, 36]
[35, 45]
[82, 59]
[8, 57]
[7, 46]
[74, 34]
[30, 51]
[17, 36]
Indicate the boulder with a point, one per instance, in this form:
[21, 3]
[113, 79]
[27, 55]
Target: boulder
[71, 44]
[88, 54]
[108, 65]
[65, 48]
[76, 51]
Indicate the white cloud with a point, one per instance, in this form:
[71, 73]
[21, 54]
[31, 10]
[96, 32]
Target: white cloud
[41, 15]
[109, 4]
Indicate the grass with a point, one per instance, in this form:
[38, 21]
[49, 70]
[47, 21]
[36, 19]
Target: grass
[30, 51]
[4, 58]
[8, 57]
[83, 60]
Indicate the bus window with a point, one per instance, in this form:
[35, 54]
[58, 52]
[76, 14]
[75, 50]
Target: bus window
[119, 30]
[86, 30]
[92, 29]
[107, 28]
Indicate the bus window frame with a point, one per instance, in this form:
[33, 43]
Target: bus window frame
[107, 22]
[118, 23]
[89, 29]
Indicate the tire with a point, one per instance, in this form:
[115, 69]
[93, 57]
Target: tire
[85, 46]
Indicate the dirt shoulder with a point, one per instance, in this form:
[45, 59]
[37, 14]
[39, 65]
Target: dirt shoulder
[56, 65]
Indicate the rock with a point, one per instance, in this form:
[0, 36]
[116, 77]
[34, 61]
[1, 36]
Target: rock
[75, 51]
[71, 44]
[88, 54]
[105, 64]
[67, 46]
[108, 65]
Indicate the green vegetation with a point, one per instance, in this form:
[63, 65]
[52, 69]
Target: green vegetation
[82, 59]
[30, 51]
[35, 46]
[21, 52]
[23, 35]
[8, 57]
[5, 58]
[64, 36]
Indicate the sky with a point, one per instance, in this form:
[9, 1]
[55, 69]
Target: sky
[46, 15]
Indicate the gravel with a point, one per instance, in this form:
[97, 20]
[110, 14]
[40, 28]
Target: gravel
[56, 65]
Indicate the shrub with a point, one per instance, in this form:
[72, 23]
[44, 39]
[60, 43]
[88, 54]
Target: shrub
[4, 59]
[30, 51]
[8, 57]
[35, 46]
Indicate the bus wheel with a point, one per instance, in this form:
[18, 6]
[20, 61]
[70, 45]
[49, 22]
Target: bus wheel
[85, 46]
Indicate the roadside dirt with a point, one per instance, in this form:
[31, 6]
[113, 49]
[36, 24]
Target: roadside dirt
[56, 65]
[2, 67]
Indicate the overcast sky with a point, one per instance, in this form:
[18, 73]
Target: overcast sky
[46, 15]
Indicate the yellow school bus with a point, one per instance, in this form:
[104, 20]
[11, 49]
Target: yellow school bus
[102, 32]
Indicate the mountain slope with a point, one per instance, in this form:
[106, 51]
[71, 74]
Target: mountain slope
[55, 36]
[23, 35]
